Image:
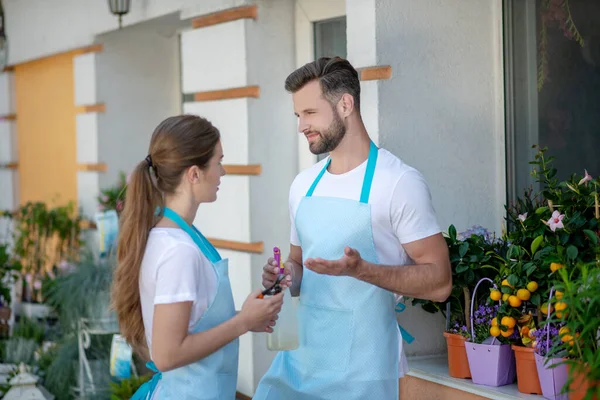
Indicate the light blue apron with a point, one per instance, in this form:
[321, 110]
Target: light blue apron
[214, 377]
[348, 330]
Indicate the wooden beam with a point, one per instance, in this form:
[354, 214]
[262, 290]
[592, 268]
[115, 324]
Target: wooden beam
[232, 169]
[87, 224]
[99, 167]
[375, 73]
[99, 108]
[10, 165]
[255, 247]
[9, 68]
[229, 15]
[242, 396]
[94, 48]
[8, 117]
[225, 94]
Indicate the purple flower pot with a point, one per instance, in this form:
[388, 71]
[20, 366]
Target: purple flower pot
[491, 364]
[552, 380]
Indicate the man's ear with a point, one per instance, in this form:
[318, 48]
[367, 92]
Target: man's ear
[346, 105]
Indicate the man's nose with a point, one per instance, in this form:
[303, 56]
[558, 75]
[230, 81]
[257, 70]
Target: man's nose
[303, 127]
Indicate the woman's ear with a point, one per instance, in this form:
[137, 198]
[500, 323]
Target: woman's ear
[194, 174]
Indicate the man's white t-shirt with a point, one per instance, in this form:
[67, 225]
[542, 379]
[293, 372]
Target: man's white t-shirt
[401, 207]
[174, 270]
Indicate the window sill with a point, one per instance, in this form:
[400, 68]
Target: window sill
[435, 369]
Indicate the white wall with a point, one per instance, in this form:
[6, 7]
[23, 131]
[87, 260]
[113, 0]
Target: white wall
[37, 28]
[272, 141]
[137, 79]
[442, 112]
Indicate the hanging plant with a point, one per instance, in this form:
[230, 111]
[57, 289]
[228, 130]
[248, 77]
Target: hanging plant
[559, 12]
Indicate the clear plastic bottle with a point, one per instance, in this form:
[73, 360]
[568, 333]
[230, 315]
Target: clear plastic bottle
[285, 331]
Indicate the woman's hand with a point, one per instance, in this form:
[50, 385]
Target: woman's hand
[259, 315]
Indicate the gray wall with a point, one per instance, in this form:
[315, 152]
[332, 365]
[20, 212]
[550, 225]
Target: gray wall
[442, 112]
[138, 79]
[272, 142]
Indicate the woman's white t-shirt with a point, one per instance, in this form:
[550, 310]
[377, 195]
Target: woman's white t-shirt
[174, 270]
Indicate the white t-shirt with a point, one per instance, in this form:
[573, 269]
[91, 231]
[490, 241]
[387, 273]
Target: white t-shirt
[401, 207]
[174, 270]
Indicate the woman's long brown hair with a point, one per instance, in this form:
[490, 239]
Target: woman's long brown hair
[177, 143]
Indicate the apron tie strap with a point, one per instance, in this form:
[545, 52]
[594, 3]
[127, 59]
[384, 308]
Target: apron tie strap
[145, 391]
[408, 338]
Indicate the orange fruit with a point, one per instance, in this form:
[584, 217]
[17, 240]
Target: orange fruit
[495, 321]
[495, 331]
[505, 297]
[544, 308]
[532, 286]
[508, 322]
[505, 283]
[495, 295]
[559, 295]
[555, 266]
[514, 301]
[525, 331]
[523, 294]
[560, 306]
[508, 332]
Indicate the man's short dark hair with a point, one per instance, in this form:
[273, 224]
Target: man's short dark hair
[335, 75]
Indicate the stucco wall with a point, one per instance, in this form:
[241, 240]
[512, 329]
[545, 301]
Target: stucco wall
[272, 140]
[442, 112]
[137, 78]
[36, 28]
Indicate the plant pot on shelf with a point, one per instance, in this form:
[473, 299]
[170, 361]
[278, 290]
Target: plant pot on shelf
[580, 385]
[552, 379]
[458, 364]
[491, 363]
[528, 381]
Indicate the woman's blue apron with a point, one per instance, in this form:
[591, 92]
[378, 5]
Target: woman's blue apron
[214, 377]
[349, 347]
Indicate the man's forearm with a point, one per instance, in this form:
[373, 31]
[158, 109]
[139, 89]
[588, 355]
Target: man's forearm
[424, 281]
[296, 277]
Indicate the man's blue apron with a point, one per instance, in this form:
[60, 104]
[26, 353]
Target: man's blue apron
[214, 377]
[348, 330]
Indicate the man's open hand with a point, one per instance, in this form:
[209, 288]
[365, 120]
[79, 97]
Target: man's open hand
[348, 265]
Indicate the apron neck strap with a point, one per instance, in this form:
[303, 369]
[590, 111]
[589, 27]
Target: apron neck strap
[367, 181]
[205, 246]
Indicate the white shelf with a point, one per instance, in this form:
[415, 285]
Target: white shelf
[435, 369]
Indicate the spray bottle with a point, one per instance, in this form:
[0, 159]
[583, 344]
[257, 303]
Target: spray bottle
[285, 331]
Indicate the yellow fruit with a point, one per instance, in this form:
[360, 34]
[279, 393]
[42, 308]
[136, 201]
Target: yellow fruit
[525, 331]
[555, 266]
[560, 306]
[523, 294]
[532, 333]
[494, 331]
[495, 321]
[505, 283]
[508, 332]
[559, 295]
[532, 286]
[505, 297]
[514, 301]
[495, 295]
[544, 308]
[508, 322]
[566, 338]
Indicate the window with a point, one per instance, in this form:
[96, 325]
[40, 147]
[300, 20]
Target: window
[330, 37]
[552, 71]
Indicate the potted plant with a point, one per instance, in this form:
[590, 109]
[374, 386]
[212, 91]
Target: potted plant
[490, 356]
[8, 275]
[113, 197]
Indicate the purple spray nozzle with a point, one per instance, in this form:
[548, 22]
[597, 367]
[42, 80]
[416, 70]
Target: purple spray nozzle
[277, 257]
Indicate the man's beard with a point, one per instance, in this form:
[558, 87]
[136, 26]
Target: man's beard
[330, 138]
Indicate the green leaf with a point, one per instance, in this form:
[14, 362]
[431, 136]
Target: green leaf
[572, 252]
[463, 249]
[462, 267]
[452, 232]
[535, 299]
[506, 290]
[541, 210]
[536, 244]
[513, 280]
[530, 269]
[592, 236]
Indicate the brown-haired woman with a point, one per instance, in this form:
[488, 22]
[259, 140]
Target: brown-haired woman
[171, 289]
